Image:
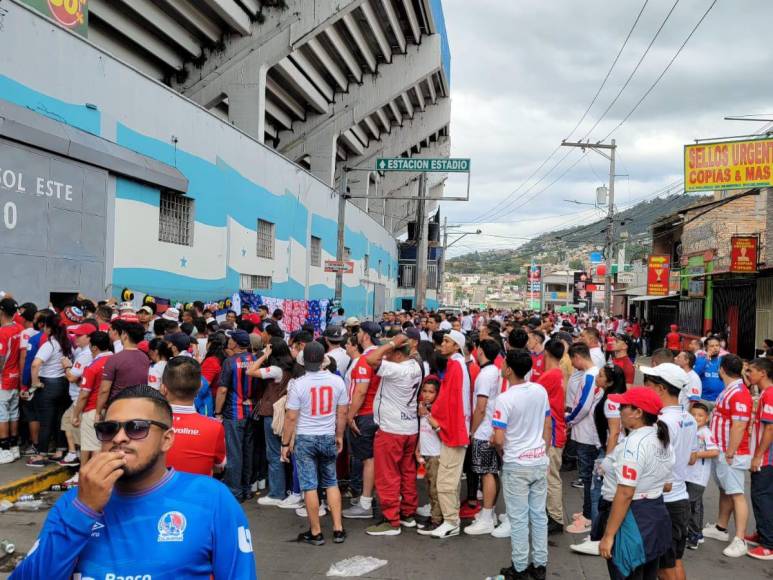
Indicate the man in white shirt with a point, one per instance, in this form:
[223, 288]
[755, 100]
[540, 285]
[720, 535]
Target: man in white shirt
[316, 417]
[592, 338]
[694, 389]
[485, 461]
[395, 413]
[522, 429]
[583, 426]
[73, 370]
[445, 324]
[334, 336]
[668, 381]
[466, 322]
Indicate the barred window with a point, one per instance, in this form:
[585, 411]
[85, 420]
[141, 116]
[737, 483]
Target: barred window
[316, 251]
[175, 219]
[266, 232]
[253, 282]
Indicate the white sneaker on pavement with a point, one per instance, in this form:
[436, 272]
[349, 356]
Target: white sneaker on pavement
[711, 531]
[502, 530]
[302, 513]
[6, 456]
[425, 510]
[16, 452]
[357, 512]
[736, 548]
[503, 518]
[292, 502]
[480, 527]
[445, 530]
[267, 500]
[586, 547]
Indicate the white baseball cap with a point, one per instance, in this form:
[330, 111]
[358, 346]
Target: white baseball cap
[458, 338]
[669, 372]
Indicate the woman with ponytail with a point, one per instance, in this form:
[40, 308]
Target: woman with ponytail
[50, 387]
[633, 523]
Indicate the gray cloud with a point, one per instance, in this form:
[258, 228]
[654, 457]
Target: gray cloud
[524, 72]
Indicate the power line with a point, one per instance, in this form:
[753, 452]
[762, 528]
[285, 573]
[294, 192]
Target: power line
[609, 72]
[635, 69]
[665, 70]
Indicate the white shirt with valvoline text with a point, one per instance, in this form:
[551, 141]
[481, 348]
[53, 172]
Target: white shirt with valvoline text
[521, 412]
[316, 396]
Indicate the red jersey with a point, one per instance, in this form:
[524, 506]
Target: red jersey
[499, 362]
[734, 403]
[762, 418]
[673, 341]
[364, 373]
[537, 366]
[624, 362]
[199, 442]
[92, 379]
[10, 337]
[553, 381]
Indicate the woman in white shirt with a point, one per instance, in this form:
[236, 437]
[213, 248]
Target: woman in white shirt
[633, 523]
[50, 388]
[159, 352]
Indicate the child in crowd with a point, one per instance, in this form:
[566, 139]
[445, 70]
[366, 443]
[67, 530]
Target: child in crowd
[428, 452]
[698, 473]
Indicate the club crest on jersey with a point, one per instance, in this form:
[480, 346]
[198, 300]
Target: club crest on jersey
[171, 527]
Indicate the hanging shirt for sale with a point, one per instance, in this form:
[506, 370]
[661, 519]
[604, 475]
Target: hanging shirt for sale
[186, 526]
[316, 396]
[681, 430]
[734, 403]
[700, 471]
[487, 385]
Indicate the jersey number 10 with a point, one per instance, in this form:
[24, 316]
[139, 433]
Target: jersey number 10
[321, 401]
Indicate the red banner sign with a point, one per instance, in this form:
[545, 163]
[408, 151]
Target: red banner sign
[658, 270]
[743, 254]
[344, 266]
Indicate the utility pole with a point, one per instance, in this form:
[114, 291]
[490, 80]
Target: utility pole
[421, 246]
[442, 265]
[342, 196]
[599, 148]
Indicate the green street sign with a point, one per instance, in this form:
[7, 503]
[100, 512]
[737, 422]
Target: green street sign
[444, 165]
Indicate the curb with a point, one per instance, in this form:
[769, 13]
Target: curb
[35, 483]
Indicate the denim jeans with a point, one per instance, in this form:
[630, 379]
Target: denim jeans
[315, 456]
[53, 401]
[276, 469]
[239, 448]
[586, 456]
[355, 467]
[526, 490]
[595, 491]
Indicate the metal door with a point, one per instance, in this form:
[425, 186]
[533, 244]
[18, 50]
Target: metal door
[735, 305]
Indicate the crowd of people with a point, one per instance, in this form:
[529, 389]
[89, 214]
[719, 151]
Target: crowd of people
[153, 407]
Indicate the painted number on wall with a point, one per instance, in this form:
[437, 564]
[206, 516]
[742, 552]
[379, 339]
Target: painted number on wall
[9, 215]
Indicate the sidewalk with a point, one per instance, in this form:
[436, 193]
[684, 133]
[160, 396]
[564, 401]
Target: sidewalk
[17, 479]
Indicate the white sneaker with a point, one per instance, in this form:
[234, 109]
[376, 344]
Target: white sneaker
[269, 501]
[735, 549]
[502, 530]
[480, 527]
[16, 452]
[291, 502]
[479, 495]
[503, 518]
[73, 480]
[302, 513]
[254, 487]
[6, 456]
[424, 511]
[586, 547]
[445, 530]
[261, 484]
[711, 531]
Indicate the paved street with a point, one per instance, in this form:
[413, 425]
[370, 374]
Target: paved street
[412, 556]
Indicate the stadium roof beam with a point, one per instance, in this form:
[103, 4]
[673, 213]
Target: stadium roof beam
[359, 40]
[394, 23]
[378, 31]
[293, 74]
[188, 11]
[346, 55]
[327, 61]
[165, 24]
[232, 14]
[413, 20]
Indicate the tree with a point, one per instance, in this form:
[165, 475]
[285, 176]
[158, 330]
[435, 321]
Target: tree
[576, 264]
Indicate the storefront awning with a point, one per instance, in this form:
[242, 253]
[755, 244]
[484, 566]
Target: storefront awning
[650, 298]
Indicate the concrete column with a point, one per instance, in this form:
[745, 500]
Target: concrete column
[322, 156]
[246, 93]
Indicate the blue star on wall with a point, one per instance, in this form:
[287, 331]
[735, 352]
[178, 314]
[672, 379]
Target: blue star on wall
[183, 262]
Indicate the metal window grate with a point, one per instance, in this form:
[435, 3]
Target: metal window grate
[253, 282]
[316, 251]
[265, 247]
[175, 219]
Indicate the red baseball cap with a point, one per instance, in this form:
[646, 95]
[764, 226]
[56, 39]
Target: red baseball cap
[144, 346]
[82, 329]
[641, 398]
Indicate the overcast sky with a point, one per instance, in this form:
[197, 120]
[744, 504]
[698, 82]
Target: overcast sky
[523, 73]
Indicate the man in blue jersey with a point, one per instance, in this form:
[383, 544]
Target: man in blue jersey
[707, 368]
[131, 517]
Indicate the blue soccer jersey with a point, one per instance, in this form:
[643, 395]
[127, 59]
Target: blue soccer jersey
[186, 526]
